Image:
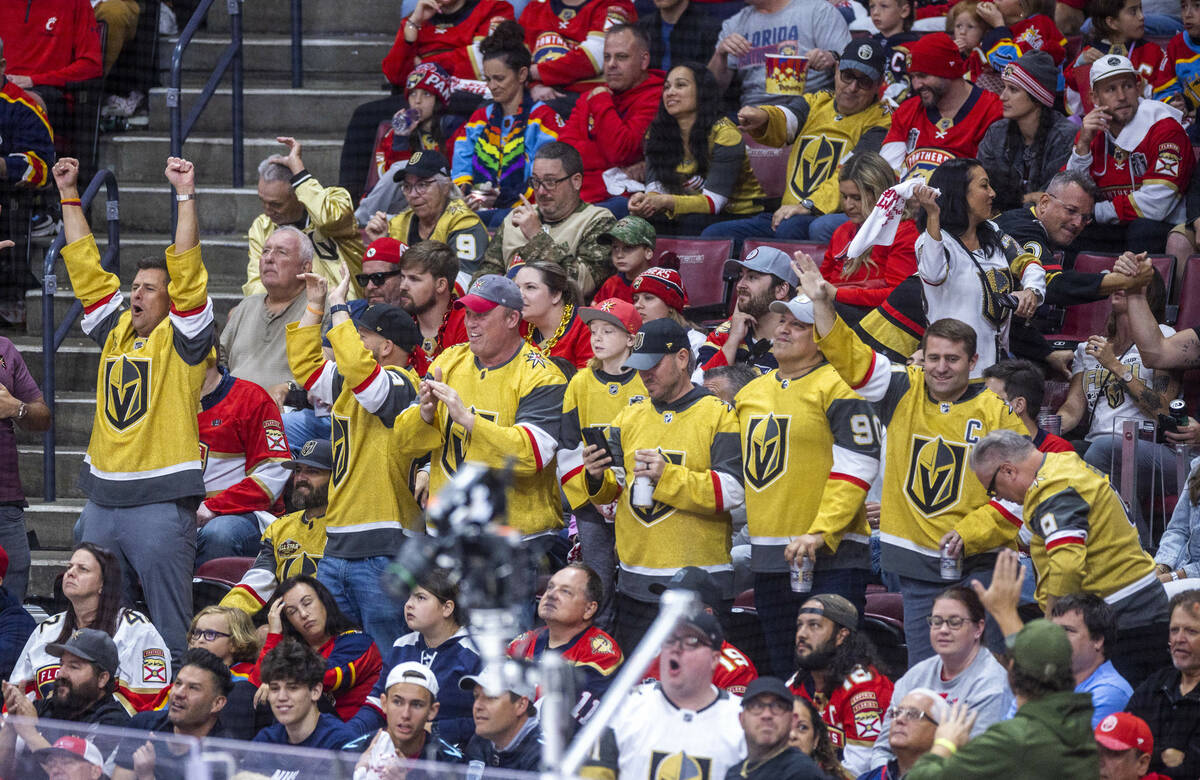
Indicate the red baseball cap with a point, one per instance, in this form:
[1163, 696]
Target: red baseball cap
[385, 250]
[937, 55]
[3, 563]
[76, 747]
[613, 310]
[1122, 731]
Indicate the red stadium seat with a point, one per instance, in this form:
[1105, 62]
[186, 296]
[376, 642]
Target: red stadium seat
[769, 164]
[701, 266]
[1087, 319]
[223, 571]
[744, 603]
[815, 251]
[1189, 295]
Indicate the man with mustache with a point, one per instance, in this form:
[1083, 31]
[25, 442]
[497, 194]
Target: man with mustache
[294, 543]
[766, 275]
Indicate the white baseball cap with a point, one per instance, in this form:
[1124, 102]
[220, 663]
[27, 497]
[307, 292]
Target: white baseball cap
[1111, 65]
[415, 674]
[800, 307]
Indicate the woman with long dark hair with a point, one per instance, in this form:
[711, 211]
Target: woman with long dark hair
[966, 271]
[697, 172]
[303, 609]
[1022, 151]
[550, 320]
[493, 154]
[811, 737]
[93, 587]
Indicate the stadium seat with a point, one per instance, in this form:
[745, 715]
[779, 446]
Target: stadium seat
[701, 265]
[769, 164]
[1189, 295]
[815, 251]
[1087, 319]
[373, 170]
[213, 579]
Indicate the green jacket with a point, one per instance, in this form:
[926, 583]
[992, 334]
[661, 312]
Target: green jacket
[1050, 738]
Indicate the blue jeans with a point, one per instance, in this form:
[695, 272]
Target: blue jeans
[355, 585]
[1152, 461]
[919, 596]
[15, 541]
[802, 227]
[778, 606]
[303, 425]
[228, 536]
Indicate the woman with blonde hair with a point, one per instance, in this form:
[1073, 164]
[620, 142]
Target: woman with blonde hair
[867, 280]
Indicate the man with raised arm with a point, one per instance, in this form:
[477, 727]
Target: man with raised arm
[932, 507]
[142, 472]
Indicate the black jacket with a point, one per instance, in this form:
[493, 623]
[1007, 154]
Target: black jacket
[693, 38]
[525, 753]
[15, 627]
[791, 764]
[1173, 718]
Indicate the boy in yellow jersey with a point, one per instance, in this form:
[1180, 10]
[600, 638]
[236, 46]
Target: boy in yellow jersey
[680, 445]
[934, 416]
[1082, 541]
[368, 385]
[594, 397]
[494, 400]
[810, 451]
[142, 472]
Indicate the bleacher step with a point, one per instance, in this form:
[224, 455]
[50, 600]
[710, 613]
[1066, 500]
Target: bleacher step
[223, 301]
[66, 469]
[324, 55]
[54, 523]
[267, 110]
[141, 158]
[275, 16]
[148, 206]
[74, 411]
[44, 569]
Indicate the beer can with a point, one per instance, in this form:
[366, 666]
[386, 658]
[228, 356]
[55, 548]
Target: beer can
[951, 565]
[1051, 423]
[1179, 413]
[802, 575]
[643, 493]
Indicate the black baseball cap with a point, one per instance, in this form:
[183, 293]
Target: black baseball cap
[865, 56]
[768, 685]
[694, 579]
[391, 322]
[317, 453]
[708, 625]
[90, 644]
[654, 341]
[424, 164]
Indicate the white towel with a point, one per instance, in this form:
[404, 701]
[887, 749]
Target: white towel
[880, 225]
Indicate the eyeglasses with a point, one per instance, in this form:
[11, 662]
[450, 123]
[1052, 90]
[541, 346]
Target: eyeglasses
[1073, 212]
[938, 621]
[545, 184]
[689, 642]
[909, 713]
[991, 487]
[376, 279]
[759, 703]
[418, 187]
[857, 79]
[208, 634]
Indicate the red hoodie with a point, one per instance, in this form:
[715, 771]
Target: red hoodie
[53, 42]
[608, 129]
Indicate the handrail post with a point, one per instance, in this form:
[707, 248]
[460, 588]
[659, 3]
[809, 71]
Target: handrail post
[235, 26]
[297, 44]
[53, 337]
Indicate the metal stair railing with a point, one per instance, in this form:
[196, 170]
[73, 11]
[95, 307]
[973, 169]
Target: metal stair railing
[297, 44]
[231, 58]
[53, 337]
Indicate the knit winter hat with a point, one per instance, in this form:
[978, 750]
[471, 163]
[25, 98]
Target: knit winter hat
[937, 55]
[1035, 73]
[432, 78]
[666, 283]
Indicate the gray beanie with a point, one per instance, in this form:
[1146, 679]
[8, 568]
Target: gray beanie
[1035, 73]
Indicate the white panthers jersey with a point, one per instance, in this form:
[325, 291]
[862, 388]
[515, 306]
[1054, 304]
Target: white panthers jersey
[652, 739]
[144, 668]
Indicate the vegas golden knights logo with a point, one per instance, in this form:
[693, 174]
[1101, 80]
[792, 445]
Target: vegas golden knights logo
[766, 449]
[935, 474]
[679, 766]
[126, 391]
[203, 456]
[817, 160]
[652, 514]
[341, 447]
[454, 451]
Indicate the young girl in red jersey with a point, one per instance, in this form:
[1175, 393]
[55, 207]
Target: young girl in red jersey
[1118, 27]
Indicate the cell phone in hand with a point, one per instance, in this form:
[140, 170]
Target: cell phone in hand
[594, 436]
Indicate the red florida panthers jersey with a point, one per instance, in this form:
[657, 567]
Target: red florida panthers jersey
[1151, 62]
[920, 140]
[733, 673]
[568, 43]
[594, 654]
[854, 711]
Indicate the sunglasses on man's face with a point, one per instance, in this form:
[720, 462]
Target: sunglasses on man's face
[376, 279]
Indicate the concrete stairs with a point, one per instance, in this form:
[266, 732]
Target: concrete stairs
[343, 47]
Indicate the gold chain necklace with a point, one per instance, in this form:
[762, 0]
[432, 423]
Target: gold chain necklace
[549, 343]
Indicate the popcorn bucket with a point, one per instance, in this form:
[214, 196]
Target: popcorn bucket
[786, 74]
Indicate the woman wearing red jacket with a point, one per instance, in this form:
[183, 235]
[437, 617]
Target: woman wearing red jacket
[305, 610]
[867, 279]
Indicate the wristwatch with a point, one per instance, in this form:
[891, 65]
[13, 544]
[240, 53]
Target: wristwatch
[812, 207]
[22, 410]
[339, 307]
[1127, 377]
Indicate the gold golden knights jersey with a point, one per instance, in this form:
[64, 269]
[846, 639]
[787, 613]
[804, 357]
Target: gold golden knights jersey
[822, 139]
[928, 487]
[292, 545]
[370, 504]
[518, 414]
[592, 399]
[689, 523]
[810, 451]
[458, 227]
[1084, 541]
[145, 445]
[328, 221]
